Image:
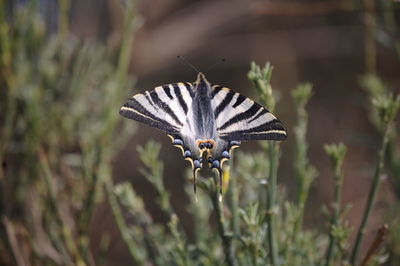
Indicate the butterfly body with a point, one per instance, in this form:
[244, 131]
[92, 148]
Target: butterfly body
[203, 118]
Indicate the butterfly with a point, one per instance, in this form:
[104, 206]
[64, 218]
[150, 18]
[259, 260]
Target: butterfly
[203, 118]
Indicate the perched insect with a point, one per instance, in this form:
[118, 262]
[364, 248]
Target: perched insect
[201, 117]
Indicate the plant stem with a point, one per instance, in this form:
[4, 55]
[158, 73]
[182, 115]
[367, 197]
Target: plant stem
[272, 243]
[379, 238]
[119, 219]
[336, 212]
[64, 233]
[233, 198]
[226, 239]
[371, 197]
[126, 41]
[89, 203]
[303, 171]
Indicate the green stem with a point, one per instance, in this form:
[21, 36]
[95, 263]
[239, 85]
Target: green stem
[119, 219]
[64, 233]
[233, 198]
[226, 239]
[63, 21]
[272, 186]
[335, 217]
[371, 197]
[126, 42]
[303, 171]
[89, 204]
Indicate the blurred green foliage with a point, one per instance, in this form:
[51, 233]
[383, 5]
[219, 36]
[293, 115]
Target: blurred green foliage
[58, 113]
[383, 109]
[59, 129]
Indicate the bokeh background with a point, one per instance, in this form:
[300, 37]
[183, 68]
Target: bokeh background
[330, 44]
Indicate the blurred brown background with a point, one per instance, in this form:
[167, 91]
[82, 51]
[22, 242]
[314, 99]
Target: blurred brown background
[322, 42]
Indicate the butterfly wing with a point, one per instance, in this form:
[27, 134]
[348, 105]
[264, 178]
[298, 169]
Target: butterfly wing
[168, 109]
[164, 108]
[240, 118]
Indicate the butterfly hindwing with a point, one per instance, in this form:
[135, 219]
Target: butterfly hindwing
[164, 108]
[240, 118]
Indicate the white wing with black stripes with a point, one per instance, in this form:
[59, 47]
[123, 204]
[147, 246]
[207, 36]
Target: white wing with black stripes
[240, 118]
[204, 119]
[164, 108]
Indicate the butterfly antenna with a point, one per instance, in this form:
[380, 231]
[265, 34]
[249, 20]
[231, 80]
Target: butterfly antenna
[222, 60]
[183, 59]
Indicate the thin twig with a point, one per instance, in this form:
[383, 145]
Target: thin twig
[371, 198]
[64, 233]
[19, 258]
[272, 186]
[337, 162]
[120, 221]
[233, 198]
[379, 238]
[226, 239]
[335, 221]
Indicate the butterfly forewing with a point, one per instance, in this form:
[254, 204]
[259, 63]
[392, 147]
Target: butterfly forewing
[164, 108]
[240, 118]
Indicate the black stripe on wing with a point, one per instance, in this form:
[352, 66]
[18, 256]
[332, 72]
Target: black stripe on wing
[239, 101]
[242, 116]
[215, 90]
[134, 110]
[228, 98]
[263, 111]
[167, 91]
[178, 94]
[188, 87]
[272, 130]
[164, 107]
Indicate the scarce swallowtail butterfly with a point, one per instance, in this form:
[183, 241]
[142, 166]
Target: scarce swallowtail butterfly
[202, 117]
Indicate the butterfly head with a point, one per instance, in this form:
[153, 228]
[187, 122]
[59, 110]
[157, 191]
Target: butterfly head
[201, 79]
